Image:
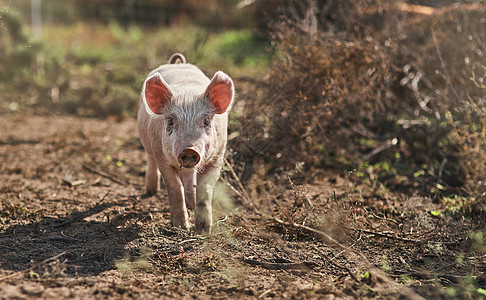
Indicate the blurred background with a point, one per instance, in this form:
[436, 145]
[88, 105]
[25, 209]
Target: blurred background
[90, 57]
[390, 92]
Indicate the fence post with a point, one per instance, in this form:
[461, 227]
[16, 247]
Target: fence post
[35, 6]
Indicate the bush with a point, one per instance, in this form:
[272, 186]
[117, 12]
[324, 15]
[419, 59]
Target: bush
[324, 90]
[392, 85]
[443, 74]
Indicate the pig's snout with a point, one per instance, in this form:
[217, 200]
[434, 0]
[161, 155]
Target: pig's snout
[188, 158]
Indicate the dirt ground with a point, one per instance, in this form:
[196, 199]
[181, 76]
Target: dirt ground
[74, 224]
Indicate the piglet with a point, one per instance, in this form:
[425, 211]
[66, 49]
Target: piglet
[182, 122]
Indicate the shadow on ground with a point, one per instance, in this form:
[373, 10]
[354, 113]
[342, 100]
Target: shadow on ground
[84, 247]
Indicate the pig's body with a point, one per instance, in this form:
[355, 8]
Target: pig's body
[182, 121]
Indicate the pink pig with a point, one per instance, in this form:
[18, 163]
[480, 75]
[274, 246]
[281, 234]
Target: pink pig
[182, 122]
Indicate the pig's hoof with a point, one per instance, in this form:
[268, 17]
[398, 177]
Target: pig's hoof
[182, 227]
[203, 226]
[149, 193]
[183, 224]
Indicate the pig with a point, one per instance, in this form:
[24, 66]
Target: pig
[182, 123]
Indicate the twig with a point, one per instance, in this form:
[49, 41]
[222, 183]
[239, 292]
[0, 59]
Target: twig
[383, 147]
[409, 123]
[379, 274]
[405, 291]
[336, 264]
[265, 293]
[244, 194]
[441, 168]
[383, 219]
[63, 238]
[429, 275]
[294, 187]
[473, 79]
[91, 169]
[103, 198]
[385, 235]
[73, 183]
[337, 255]
[278, 266]
[222, 220]
[190, 240]
[233, 188]
[443, 64]
[33, 267]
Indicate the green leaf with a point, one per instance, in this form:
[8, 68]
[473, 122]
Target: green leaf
[435, 213]
[366, 275]
[33, 274]
[418, 173]
[481, 291]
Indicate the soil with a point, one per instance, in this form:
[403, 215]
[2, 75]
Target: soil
[74, 223]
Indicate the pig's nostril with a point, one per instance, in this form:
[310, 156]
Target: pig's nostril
[188, 158]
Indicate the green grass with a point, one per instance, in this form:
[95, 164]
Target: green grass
[235, 51]
[239, 52]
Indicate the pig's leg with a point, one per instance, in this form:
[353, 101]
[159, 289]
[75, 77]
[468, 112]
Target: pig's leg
[189, 181]
[175, 193]
[152, 176]
[204, 206]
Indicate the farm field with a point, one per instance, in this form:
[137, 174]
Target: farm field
[354, 167]
[74, 223]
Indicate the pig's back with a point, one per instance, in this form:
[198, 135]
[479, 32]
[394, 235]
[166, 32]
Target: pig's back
[181, 76]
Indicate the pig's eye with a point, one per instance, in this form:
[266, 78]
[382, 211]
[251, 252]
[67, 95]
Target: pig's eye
[170, 124]
[207, 122]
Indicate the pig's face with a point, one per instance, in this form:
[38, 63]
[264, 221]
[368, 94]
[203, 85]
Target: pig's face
[188, 132]
[186, 125]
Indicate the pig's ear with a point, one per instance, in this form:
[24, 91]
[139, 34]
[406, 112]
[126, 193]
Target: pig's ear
[157, 93]
[220, 92]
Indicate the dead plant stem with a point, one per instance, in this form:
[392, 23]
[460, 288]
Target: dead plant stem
[107, 176]
[244, 193]
[377, 273]
[385, 235]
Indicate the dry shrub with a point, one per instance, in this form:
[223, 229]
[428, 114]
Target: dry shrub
[443, 59]
[336, 93]
[472, 140]
[439, 56]
[322, 91]
[335, 15]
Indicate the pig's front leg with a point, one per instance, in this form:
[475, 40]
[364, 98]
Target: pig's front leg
[152, 176]
[175, 193]
[204, 205]
[189, 181]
